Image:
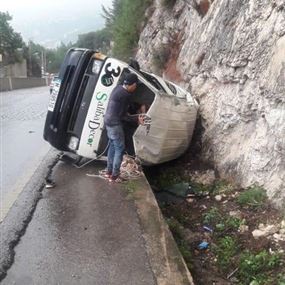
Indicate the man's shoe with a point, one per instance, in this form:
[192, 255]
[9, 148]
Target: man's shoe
[117, 179]
[105, 174]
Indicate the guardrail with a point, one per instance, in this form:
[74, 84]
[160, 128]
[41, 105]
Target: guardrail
[11, 83]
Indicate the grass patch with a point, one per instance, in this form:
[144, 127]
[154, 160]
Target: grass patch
[130, 187]
[253, 197]
[225, 249]
[176, 228]
[212, 217]
[222, 187]
[177, 231]
[257, 267]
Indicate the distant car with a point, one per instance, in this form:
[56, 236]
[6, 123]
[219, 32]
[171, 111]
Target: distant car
[55, 82]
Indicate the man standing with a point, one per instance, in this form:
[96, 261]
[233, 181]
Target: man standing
[115, 114]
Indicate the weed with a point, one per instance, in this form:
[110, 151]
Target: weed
[212, 217]
[281, 279]
[222, 186]
[176, 228]
[130, 187]
[229, 224]
[225, 250]
[257, 267]
[181, 217]
[186, 252]
[253, 197]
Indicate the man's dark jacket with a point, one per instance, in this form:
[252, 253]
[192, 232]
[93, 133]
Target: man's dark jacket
[117, 107]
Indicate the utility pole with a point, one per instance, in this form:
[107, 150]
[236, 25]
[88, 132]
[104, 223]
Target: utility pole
[42, 64]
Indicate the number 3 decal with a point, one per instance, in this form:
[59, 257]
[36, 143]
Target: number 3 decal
[110, 72]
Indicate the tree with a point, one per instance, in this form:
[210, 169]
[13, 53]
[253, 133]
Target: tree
[98, 40]
[10, 41]
[125, 21]
[54, 57]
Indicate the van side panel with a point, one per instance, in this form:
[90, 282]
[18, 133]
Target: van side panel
[94, 122]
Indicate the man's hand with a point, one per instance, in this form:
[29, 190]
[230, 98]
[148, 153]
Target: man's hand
[141, 119]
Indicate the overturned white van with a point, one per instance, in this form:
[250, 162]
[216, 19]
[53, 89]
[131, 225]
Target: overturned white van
[77, 106]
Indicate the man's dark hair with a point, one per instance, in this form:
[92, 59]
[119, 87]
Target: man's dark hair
[131, 78]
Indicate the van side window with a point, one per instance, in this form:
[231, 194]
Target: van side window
[171, 87]
[153, 81]
[94, 66]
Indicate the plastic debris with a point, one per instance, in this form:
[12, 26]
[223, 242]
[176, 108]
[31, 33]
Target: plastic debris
[180, 189]
[208, 229]
[203, 245]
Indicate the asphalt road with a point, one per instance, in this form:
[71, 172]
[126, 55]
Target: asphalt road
[83, 231]
[22, 147]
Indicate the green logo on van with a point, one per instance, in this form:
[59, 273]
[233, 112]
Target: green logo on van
[100, 96]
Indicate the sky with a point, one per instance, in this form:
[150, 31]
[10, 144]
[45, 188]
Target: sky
[48, 22]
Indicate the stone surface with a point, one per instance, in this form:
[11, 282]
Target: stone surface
[264, 230]
[218, 198]
[230, 55]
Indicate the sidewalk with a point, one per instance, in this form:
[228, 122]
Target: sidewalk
[88, 231]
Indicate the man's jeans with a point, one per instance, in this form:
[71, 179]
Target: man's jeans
[116, 148]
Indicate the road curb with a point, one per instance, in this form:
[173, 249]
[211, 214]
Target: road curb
[166, 261]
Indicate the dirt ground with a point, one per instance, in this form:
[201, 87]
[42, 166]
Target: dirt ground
[226, 234]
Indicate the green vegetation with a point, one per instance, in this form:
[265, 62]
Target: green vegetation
[130, 187]
[225, 250]
[232, 253]
[177, 230]
[257, 267]
[213, 216]
[11, 42]
[125, 21]
[222, 187]
[221, 222]
[253, 197]
[99, 40]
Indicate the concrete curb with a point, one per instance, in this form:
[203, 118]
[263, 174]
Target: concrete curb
[166, 261]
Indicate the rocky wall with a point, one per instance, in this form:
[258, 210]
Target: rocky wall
[231, 55]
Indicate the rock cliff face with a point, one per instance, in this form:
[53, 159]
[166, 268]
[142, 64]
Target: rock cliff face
[231, 55]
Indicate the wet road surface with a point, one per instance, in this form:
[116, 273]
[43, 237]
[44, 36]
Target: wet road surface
[84, 231]
[22, 147]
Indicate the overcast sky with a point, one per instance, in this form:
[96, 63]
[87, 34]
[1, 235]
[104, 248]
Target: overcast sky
[50, 21]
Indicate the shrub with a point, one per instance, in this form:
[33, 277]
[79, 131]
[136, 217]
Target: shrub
[253, 197]
[257, 266]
